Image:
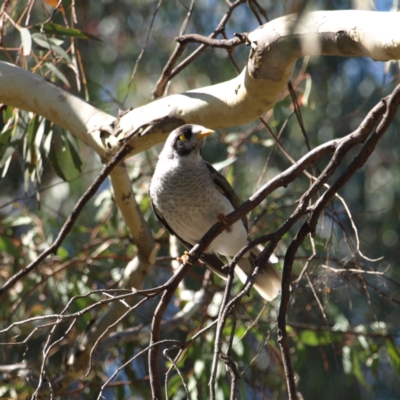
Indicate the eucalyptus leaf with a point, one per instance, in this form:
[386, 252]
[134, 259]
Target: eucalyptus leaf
[54, 161]
[222, 164]
[7, 246]
[26, 40]
[61, 30]
[57, 73]
[73, 148]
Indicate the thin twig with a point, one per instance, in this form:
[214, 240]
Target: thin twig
[171, 360]
[389, 106]
[169, 71]
[130, 294]
[69, 223]
[317, 298]
[297, 111]
[142, 50]
[154, 373]
[354, 271]
[285, 299]
[148, 348]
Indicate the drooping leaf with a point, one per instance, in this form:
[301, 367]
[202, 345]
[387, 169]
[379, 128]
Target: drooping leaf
[26, 181]
[52, 44]
[54, 161]
[7, 246]
[57, 73]
[5, 138]
[47, 143]
[394, 354]
[357, 371]
[26, 40]
[33, 129]
[346, 360]
[15, 138]
[60, 30]
[45, 41]
[72, 144]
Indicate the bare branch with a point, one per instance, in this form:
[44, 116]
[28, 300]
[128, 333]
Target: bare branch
[169, 71]
[69, 223]
[389, 106]
[228, 44]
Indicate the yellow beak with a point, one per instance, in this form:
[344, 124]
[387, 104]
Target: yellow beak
[205, 133]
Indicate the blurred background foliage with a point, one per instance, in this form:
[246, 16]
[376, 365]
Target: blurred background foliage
[344, 327]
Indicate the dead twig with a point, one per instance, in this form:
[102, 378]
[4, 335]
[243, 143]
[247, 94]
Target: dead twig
[169, 71]
[69, 223]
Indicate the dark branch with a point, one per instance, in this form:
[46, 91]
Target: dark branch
[169, 71]
[69, 223]
[389, 106]
[154, 373]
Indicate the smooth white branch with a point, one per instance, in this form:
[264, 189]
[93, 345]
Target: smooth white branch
[274, 48]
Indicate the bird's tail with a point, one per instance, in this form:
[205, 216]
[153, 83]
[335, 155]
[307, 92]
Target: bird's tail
[268, 280]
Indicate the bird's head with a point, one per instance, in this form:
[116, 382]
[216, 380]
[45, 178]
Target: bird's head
[187, 139]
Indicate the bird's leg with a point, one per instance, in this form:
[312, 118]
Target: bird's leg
[224, 221]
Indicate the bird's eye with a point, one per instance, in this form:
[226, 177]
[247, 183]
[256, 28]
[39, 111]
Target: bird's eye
[183, 138]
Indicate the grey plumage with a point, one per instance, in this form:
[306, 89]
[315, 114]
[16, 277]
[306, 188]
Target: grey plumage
[189, 195]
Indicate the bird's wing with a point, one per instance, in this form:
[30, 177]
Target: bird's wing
[169, 229]
[211, 260]
[226, 189]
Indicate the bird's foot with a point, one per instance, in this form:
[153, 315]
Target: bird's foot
[224, 221]
[183, 258]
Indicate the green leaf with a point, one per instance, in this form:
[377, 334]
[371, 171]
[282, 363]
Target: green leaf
[357, 368]
[51, 44]
[9, 151]
[57, 73]
[72, 144]
[174, 383]
[33, 128]
[8, 247]
[60, 30]
[45, 41]
[314, 338]
[394, 354]
[62, 253]
[372, 362]
[17, 134]
[53, 158]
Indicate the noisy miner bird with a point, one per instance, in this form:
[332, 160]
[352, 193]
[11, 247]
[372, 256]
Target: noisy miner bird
[189, 196]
